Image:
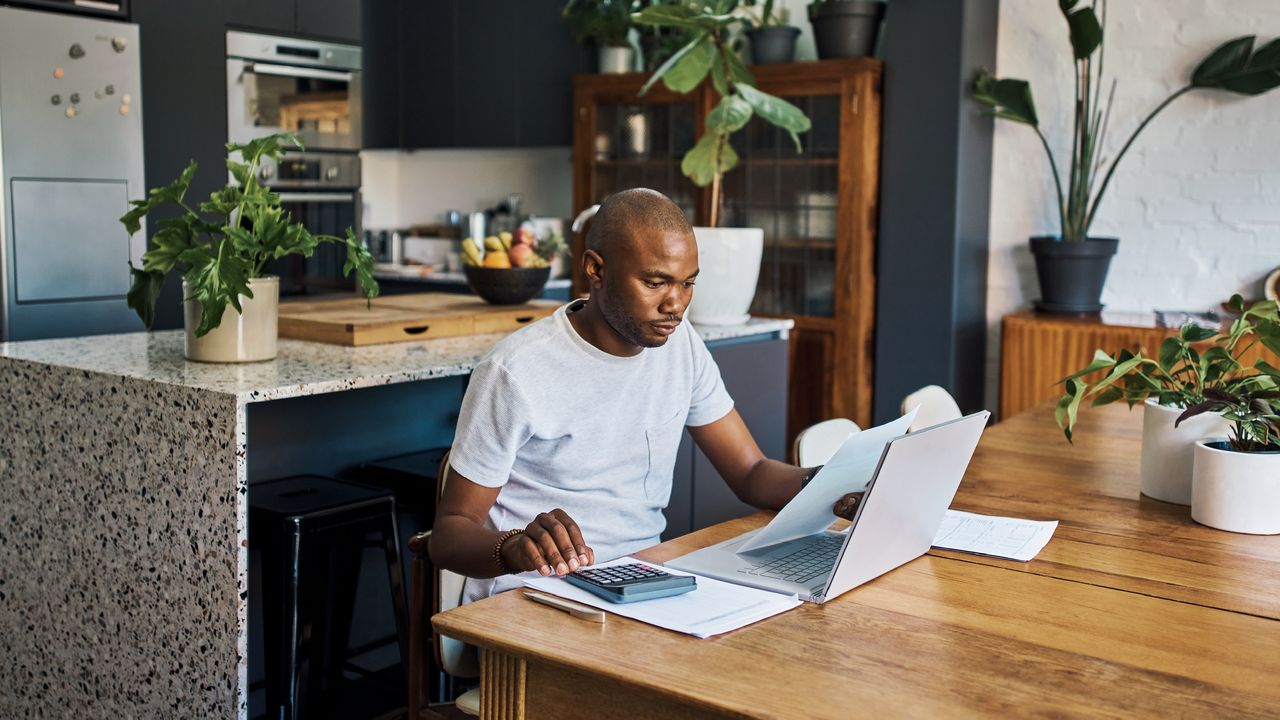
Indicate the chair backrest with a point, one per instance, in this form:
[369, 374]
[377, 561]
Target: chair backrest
[817, 443]
[936, 406]
[454, 656]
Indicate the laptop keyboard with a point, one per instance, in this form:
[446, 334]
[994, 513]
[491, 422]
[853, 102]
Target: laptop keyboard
[804, 564]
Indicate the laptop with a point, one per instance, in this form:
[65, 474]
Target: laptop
[906, 499]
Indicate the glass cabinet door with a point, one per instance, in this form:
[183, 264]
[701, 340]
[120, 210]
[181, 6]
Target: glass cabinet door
[640, 145]
[793, 198]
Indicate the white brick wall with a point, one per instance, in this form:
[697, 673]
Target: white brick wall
[1195, 203]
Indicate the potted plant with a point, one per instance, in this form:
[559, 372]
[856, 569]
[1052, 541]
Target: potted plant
[1188, 370]
[607, 23]
[772, 39]
[1236, 480]
[845, 28]
[222, 247]
[1072, 266]
[729, 258]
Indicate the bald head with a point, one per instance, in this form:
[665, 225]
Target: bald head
[623, 214]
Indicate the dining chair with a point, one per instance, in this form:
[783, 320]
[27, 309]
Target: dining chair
[817, 443]
[935, 406]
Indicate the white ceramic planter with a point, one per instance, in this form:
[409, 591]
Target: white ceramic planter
[1236, 491]
[1167, 451]
[614, 60]
[240, 337]
[729, 266]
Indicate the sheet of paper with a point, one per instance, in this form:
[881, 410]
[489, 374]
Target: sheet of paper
[1001, 537]
[715, 607]
[849, 470]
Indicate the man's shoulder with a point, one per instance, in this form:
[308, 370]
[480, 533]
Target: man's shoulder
[527, 347]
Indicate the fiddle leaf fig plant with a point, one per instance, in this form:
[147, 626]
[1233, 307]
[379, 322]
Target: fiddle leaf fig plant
[1195, 369]
[709, 54]
[222, 243]
[1232, 67]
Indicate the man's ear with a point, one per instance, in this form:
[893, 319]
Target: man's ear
[593, 268]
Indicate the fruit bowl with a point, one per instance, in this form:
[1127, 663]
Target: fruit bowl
[506, 286]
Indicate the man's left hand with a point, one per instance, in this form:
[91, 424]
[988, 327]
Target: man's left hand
[847, 506]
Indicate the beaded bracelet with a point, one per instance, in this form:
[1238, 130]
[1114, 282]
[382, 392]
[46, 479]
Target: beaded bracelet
[497, 549]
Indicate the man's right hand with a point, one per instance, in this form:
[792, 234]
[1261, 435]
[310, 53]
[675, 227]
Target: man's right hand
[551, 543]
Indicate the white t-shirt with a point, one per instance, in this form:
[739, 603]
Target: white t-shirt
[558, 423]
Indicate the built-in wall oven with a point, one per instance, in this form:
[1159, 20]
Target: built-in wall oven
[311, 89]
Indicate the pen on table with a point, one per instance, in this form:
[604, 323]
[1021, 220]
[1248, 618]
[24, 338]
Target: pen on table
[581, 612]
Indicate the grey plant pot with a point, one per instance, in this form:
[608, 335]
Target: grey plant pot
[774, 44]
[1072, 273]
[846, 28]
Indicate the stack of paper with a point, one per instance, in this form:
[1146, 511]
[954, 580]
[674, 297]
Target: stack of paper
[715, 607]
[1001, 537]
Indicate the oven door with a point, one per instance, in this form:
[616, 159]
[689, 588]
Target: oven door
[322, 213]
[319, 105]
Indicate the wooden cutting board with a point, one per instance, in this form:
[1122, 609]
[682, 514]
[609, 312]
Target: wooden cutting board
[400, 318]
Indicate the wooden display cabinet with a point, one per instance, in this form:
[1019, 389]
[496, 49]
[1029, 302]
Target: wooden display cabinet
[817, 208]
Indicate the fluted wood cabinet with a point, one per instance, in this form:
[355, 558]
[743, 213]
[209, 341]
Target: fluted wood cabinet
[817, 208]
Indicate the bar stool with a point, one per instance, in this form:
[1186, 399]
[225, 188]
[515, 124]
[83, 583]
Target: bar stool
[312, 533]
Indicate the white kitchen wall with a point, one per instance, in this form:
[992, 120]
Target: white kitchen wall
[403, 188]
[1196, 201]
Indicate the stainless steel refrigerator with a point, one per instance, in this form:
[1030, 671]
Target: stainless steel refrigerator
[70, 160]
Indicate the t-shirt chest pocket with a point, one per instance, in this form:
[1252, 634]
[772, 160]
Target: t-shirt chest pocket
[663, 442]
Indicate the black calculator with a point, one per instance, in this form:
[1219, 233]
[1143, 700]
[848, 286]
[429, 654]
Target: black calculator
[631, 583]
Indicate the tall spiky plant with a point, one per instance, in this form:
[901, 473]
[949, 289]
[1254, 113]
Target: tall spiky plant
[1233, 66]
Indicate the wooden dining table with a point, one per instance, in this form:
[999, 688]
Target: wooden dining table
[1131, 610]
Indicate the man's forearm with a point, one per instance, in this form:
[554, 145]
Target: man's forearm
[772, 484]
[460, 545]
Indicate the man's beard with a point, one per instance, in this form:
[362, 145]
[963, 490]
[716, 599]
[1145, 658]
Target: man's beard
[628, 327]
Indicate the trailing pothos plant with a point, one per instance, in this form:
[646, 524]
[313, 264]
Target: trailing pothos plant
[1233, 67]
[709, 54]
[224, 242]
[1191, 368]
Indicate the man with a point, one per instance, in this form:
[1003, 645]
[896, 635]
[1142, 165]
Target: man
[568, 433]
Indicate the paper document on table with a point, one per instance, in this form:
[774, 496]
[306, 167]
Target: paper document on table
[715, 607]
[1001, 537]
[849, 470]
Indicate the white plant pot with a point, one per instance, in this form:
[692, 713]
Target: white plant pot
[1236, 491]
[616, 59]
[729, 266]
[1167, 451]
[240, 337]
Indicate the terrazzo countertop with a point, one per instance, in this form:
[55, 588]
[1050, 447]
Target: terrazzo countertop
[300, 368]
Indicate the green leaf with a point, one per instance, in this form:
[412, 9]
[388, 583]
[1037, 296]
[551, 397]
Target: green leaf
[699, 163]
[217, 283]
[143, 293]
[683, 16]
[1086, 31]
[239, 171]
[672, 61]
[738, 72]
[1228, 60]
[719, 80]
[730, 115]
[1170, 351]
[174, 237]
[1010, 99]
[360, 261]
[690, 70]
[173, 193]
[1195, 333]
[1100, 361]
[223, 201]
[776, 111]
[1111, 395]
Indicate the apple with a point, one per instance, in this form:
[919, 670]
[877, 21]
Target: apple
[521, 255]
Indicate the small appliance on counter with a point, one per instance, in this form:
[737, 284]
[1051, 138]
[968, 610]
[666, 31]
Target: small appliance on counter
[310, 89]
[70, 160]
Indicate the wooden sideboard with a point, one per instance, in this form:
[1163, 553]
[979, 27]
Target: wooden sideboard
[1038, 350]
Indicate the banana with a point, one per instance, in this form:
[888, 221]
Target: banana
[470, 253]
[505, 238]
[494, 244]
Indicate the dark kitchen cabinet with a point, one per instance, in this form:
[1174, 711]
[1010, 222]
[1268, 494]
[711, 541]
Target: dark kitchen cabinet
[326, 19]
[469, 73]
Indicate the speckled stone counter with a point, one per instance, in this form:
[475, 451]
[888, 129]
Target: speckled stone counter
[123, 483]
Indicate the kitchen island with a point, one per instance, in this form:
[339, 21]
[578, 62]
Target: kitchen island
[125, 472]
